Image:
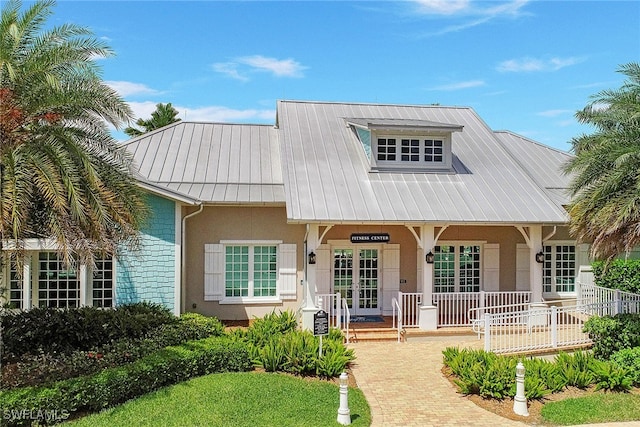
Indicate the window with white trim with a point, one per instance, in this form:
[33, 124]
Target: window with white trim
[102, 283]
[559, 268]
[58, 287]
[16, 295]
[251, 270]
[402, 151]
[457, 268]
[238, 272]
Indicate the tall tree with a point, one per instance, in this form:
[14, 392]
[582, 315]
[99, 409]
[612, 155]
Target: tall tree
[605, 208]
[164, 115]
[63, 176]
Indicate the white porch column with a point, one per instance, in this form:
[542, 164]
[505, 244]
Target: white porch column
[308, 304]
[428, 319]
[535, 272]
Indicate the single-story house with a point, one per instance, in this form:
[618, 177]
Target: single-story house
[364, 200]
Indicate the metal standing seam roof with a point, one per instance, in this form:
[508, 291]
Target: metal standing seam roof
[543, 163]
[328, 179]
[212, 162]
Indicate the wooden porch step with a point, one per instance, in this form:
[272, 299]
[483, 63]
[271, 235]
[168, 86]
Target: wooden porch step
[374, 334]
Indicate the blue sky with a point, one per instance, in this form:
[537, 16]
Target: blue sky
[525, 66]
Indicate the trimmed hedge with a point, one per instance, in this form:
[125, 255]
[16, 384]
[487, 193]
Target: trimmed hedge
[611, 334]
[49, 330]
[116, 385]
[32, 370]
[619, 274]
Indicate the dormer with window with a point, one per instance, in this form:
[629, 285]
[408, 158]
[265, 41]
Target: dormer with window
[400, 145]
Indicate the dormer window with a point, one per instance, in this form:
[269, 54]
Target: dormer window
[406, 145]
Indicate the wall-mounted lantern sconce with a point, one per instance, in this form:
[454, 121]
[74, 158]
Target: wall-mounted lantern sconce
[430, 257]
[540, 257]
[312, 258]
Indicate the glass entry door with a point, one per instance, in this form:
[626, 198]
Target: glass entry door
[355, 276]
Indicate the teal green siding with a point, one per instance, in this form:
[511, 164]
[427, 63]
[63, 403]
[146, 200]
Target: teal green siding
[149, 275]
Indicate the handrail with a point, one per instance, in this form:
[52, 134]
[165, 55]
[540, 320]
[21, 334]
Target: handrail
[394, 303]
[347, 316]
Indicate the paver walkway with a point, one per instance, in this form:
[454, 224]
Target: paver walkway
[404, 385]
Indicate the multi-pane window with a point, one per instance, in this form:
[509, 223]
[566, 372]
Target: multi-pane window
[102, 283]
[444, 269]
[457, 268]
[250, 270]
[15, 287]
[58, 287]
[559, 268]
[433, 150]
[410, 150]
[387, 149]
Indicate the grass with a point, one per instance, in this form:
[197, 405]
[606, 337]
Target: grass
[595, 408]
[237, 399]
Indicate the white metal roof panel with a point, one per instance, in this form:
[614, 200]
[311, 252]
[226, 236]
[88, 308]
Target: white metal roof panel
[328, 178]
[212, 162]
[543, 163]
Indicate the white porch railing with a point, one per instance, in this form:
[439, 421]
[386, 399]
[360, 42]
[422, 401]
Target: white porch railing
[397, 317]
[347, 316]
[592, 298]
[552, 327]
[410, 308]
[535, 329]
[332, 304]
[454, 307]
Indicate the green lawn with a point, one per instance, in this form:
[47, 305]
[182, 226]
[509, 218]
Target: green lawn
[237, 399]
[595, 408]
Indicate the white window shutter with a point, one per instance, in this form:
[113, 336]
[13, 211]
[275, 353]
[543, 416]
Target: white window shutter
[213, 272]
[491, 273]
[323, 270]
[523, 279]
[288, 271]
[390, 276]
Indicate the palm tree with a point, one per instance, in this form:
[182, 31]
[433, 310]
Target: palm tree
[164, 115]
[605, 209]
[62, 174]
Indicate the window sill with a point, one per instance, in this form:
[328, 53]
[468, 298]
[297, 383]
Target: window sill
[270, 300]
[551, 296]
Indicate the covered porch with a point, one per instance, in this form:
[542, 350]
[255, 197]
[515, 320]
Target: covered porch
[434, 274]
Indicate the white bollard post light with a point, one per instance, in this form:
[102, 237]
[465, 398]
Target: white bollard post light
[520, 401]
[344, 414]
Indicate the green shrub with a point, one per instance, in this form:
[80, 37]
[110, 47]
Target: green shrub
[618, 274]
[48, 330]
[335, 358]
[263, 329]
[575, 369]
[629, 358]
[51, 367]
[116, 385]
[610, 377]
[611, 334]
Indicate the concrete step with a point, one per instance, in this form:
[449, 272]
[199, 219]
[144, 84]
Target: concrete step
[374, 334]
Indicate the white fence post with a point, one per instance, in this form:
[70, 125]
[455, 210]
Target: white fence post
[554, 326]
[487, 332]
[338, 304]
[618, 302]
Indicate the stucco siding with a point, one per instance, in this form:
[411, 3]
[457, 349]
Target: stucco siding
[219, 223]
[150, 274]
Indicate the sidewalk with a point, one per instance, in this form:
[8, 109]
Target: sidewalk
[404, 385]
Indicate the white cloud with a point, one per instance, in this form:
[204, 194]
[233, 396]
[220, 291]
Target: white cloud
[130, 88]
[239, 67]
[442, 7]
[207, 114]
[476, 12]
[529, 64]
[554, 113]
[460, 85]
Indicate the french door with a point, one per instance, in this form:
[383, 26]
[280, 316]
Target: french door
[356, 278]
